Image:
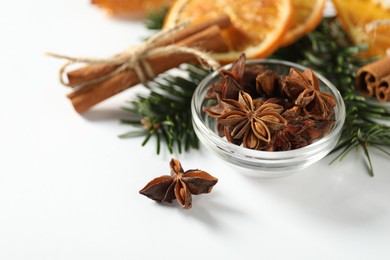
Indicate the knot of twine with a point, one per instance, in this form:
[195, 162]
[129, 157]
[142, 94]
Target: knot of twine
[136, 56]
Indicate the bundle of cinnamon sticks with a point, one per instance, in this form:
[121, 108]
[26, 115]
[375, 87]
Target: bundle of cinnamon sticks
[87, 92]
[373, 79]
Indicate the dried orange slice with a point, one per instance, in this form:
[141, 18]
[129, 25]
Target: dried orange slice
[307, 15]
[123, 7]
[257, 25]
[366, 21]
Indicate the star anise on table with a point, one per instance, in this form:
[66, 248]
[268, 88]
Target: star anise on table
[180, 185]
[250, 122]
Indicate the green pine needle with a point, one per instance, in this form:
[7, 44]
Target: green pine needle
[327, 51]
[165, 112]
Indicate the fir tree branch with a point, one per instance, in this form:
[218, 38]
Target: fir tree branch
[328, 52]
[165, 112]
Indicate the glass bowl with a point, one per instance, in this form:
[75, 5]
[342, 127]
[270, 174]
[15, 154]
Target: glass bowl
[270, 163]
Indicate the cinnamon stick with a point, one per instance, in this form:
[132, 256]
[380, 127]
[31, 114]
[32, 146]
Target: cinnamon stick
[209, 39]
[369, 76]
[87, 73]
[382, 92]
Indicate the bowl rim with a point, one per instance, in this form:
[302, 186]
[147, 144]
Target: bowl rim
[211, 136]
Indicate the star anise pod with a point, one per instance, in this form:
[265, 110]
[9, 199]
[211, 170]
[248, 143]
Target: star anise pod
[317, 103]
[251, 122]
[267, 83]
[214, 90]
[237, 69]
[229, 85]
[299, 132]
[312, 79]
[294, 84]
[305, 89]
[238, 77]
[179, 185]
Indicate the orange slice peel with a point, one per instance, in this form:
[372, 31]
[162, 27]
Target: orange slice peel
[366, 22]
[307, 15]
[258, 26]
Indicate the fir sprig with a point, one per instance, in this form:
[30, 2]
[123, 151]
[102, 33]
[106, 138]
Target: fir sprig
[328, 51]
[165, 112]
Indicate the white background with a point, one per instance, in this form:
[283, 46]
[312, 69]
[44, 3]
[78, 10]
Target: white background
[69, 187]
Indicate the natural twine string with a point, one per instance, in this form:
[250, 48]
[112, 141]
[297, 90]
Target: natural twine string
[136, 56]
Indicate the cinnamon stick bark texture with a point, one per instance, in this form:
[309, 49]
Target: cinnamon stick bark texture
[206, 36]
[368, 76]
[382, 92]
[90, 72]
[87, 96]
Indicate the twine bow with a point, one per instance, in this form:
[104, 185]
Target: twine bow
[136, 56]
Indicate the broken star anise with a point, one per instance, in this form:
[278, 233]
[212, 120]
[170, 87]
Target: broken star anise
[238, 77]
[316, 103]
[179, 185]
[250, 122]
[299, 132]
[305, 89]
[267, 83]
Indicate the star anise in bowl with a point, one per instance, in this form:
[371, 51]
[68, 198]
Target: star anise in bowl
[285, 117]
[251, 122]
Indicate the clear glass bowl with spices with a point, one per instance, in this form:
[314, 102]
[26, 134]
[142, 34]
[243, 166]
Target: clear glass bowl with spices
[240, 118]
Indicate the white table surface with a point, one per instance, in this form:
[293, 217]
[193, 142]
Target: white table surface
[69, 187]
